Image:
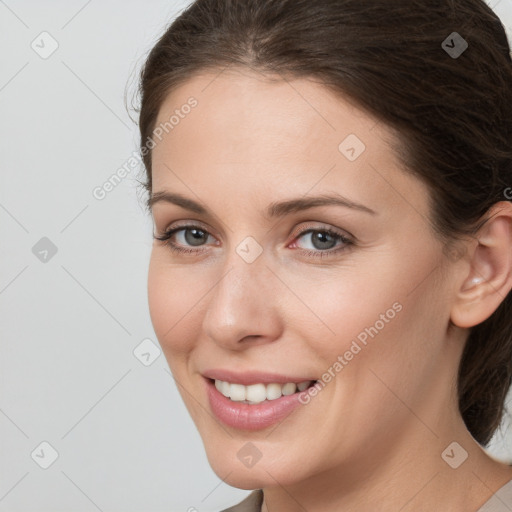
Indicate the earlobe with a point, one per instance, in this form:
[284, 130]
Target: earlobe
[489, 279]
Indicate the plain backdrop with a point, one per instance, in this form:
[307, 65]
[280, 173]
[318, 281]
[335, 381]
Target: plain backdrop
[90, 417]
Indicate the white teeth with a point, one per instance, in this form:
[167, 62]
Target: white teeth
[303, 385]
[257, 393]
[224, 388]
[237, 392]
[289, 388]
[274, 391]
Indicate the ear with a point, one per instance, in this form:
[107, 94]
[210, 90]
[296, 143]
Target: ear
[489, 279]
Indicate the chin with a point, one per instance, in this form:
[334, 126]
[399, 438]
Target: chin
[264, 473]
[245, 478]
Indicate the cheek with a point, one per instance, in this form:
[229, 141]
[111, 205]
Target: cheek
[173, 302]
[372, 321]
[345, 311]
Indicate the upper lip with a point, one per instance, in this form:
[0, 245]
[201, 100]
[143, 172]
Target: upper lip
[252, 377]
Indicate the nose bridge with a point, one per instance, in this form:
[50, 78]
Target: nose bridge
[242, 302]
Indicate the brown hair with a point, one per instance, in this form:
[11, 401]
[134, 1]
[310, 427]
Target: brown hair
[453, 113]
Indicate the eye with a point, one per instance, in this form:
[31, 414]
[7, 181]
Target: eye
[193, 235]
[322, 239]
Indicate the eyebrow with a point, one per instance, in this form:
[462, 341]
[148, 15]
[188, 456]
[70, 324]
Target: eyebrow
[276, 209]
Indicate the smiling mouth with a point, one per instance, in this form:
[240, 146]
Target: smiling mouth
[260, 392]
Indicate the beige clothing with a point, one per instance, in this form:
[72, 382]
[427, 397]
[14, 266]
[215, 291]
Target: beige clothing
[500, 501]
[251, 503]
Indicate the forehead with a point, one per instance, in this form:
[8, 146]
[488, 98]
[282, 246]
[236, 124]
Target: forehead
[241, 105]
[276, 134]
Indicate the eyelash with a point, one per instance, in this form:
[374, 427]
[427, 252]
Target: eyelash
[166, 237]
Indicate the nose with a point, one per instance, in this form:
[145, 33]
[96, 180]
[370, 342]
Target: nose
[243, 307]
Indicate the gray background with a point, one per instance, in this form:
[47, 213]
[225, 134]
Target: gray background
[70, 321]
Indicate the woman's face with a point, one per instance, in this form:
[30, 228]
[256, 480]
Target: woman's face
[264, 289]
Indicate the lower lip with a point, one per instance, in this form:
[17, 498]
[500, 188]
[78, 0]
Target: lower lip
[250, 417]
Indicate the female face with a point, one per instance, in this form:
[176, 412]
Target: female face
[305, 254]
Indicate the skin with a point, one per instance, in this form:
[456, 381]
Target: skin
[372, 439]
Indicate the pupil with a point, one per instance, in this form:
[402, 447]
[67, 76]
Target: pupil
[196, 237]
[320, 236]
